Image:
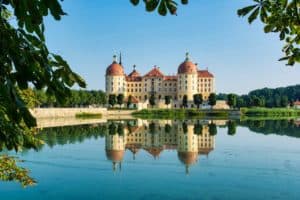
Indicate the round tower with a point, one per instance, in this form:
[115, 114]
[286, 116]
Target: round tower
[187, 145]
[115, 78]
[187, 79]
[115, 148]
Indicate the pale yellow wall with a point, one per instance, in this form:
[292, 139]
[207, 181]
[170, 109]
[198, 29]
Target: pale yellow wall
[115, 142]
[205, 140]
[206, 86]
[186, 84]
[187, 142]
[115, 85]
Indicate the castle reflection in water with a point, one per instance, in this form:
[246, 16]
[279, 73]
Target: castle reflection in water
[190, 138]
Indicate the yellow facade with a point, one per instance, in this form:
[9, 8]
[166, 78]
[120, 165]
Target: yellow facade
[141, 87]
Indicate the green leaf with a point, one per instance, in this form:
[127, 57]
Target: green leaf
[245, 11]
[253, 15]
[151, 5]
[184, 2]
[135, 2]
[162, 9]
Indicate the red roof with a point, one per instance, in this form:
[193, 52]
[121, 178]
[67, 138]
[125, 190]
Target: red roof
[170, 78]
[205, 73]
[297, 103]
[128, 78]
[134, 76]
[134, 73]
[155, 72]
[154, 151]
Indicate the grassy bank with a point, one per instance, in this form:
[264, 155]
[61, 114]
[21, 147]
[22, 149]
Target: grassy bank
[270, 112]
[179, 113]
[246, 113]
[88, 115]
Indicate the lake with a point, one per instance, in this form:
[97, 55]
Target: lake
[164, 159]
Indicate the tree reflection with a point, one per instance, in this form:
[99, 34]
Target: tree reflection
[190, 138]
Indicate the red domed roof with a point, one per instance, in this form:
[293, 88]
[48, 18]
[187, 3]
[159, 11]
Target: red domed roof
[115, 155]
[188, 158]
[187, 67]
[114, 69]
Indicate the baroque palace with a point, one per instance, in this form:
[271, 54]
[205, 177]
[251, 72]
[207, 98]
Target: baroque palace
[188, 81]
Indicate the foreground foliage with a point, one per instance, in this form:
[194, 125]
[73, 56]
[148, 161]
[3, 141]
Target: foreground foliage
[25, 59]
[10, 171]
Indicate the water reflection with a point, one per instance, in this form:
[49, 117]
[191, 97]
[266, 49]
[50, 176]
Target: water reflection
[189, 138]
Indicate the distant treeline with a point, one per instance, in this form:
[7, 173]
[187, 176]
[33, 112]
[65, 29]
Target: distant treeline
[77, 98]
[278, 127]
[266, 97]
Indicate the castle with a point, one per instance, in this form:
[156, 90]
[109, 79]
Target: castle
[188, 82]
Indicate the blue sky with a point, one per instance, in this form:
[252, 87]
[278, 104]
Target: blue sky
[240, 55]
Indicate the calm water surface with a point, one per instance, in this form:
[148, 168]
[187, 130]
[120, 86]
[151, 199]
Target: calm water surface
[164, 160]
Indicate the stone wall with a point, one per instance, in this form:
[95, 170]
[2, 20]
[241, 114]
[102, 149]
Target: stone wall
[65, 112]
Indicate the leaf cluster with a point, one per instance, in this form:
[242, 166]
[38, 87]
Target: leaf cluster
[281, 17]
[163, 7]
[26, 61]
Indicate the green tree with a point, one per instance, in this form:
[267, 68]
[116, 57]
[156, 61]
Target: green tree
[212, 129]
[212, 99]
[284, 101]
[198, 99]
[112, 129]
[231, 127]
[129, 101]
[167, 100]
[120, 99]
[198, 129]
[184, 127]
[112, 99]
[152, 128]
[168, 128]
[185, 101]
[232, 100]
[120, 129]
[240, 102]
[152, 100]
